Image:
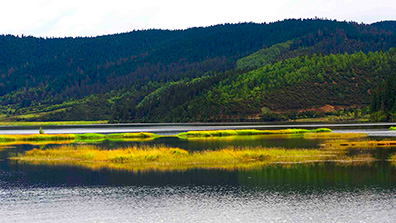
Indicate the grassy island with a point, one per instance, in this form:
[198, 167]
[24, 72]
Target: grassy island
[212, 133]
[50, 138]
[165, 158]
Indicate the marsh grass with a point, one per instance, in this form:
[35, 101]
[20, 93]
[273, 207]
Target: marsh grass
[167, 158]
[38, 143]
[88, 137]
[37, 137]
[52, 123]
[219, 133]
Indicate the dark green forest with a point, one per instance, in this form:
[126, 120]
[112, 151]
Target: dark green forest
[227, 72]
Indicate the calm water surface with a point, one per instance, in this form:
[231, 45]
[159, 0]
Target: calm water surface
[319, 193]
[298, 193]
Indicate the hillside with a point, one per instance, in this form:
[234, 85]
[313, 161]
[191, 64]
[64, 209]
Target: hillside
[223, 72]
[295, 84]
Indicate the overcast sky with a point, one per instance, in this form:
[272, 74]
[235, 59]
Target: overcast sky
[59, 18]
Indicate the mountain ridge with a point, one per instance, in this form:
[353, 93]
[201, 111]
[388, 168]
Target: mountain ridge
[113, 67]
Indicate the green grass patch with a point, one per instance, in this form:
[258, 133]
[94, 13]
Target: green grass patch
[23, 123]
[392, 128]
[90, 136]
[216, 133]
[320, 130]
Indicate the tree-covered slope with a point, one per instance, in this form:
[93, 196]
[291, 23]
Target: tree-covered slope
[289, 85]
[160, 75]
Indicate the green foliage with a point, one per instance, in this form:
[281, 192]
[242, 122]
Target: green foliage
[264, 56]
[41, 131]
[392, 128]
[386, 25]
[383, 101]
[293, 84]
[273, 117]
[321, 130]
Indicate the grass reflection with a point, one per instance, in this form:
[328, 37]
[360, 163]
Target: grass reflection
[363, 144]
[329, 136]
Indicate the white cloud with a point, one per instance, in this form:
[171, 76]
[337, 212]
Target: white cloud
[91, 18]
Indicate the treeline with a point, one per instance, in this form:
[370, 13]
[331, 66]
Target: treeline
[383, 104]
[61, 63]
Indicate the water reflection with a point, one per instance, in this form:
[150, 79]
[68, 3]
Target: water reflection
[294, 178]
[315, 193]
[193, 204]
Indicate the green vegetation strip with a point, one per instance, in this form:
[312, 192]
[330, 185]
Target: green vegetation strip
[166, 158]
[74, 137]
[248, 132]
[37, 137]
[52, 123]
[392, 128]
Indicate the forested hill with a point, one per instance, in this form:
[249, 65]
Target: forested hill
[386, 25]
[160, 75]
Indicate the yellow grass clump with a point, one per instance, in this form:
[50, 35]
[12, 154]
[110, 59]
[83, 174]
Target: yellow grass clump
[393, 159]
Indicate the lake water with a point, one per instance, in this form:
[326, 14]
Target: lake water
[322, 192]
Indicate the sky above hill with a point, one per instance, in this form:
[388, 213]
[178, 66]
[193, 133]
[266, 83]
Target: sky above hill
[59, 18]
